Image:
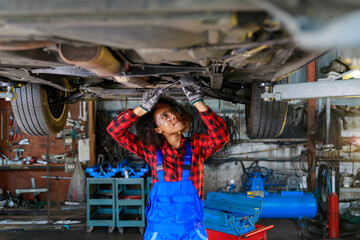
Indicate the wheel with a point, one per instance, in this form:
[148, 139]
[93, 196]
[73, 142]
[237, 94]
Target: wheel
[142, 230]
[121, 230]
[89, 229]
[264, 119]
[33, 111]
[110, 229]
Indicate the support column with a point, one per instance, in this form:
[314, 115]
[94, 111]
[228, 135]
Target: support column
[92, 135]
[311, 77]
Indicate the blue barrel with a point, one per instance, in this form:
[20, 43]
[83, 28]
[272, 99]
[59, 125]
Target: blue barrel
[289, 204]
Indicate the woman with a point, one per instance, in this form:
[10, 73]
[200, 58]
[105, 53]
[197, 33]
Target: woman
[175, 208]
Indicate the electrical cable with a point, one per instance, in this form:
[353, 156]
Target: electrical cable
[266, 150]
[302, 161]
[215, 161]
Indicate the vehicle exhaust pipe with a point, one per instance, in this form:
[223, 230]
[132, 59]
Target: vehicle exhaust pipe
[97, 59]
[24, 45]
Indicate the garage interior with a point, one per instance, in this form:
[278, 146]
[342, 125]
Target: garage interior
[36, 172]
[282, 75]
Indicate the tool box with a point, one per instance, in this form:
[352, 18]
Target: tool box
[230, 213]
[258, 234]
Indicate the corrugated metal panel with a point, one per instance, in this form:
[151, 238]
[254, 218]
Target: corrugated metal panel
[325, 60]
[298, 76]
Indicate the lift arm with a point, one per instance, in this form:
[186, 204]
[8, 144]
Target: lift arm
[323, 88]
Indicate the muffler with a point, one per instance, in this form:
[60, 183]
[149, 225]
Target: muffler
[97, 59]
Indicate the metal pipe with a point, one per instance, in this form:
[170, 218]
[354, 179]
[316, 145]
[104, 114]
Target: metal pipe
[328, 118]
[2, 125]
[97, 59]
[24, 45]
[333, 182]
[48, 180]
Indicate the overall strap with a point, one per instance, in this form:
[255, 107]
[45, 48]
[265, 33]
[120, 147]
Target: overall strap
[186, 167]
[187, 160]
[159, 165]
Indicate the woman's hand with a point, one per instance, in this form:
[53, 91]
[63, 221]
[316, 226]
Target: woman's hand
[193, 93]
[150, 98]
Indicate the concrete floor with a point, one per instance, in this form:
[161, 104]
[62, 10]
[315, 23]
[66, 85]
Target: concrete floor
[283, 230]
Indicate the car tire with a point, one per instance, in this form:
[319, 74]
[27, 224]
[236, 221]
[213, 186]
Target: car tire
[33, 112]
[264, 119]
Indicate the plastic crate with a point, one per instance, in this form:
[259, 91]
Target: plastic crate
[258, 234]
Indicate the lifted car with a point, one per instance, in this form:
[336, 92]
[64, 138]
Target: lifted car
[54, 53]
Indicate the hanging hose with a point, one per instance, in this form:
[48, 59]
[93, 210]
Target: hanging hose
[323, 189]
[302, 161]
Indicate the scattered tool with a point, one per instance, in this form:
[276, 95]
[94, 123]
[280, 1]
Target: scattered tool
[24, 141]
[17, 133]
[75, 124]
[11, 119]
[36, 228]
[10, 200]
[6, 158]
[11, 134]
[170, 85]
[5, 149]
[56, 177]
[2, 126]
[82, 111]
[18, 153]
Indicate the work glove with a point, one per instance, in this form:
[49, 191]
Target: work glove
[193, 93]
[150, 98]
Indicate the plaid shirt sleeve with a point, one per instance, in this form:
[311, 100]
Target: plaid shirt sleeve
[218, 134]
[118, 129]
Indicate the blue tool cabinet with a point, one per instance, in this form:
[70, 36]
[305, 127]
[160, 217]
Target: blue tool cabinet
[130, 203]
[100, 203]
[148, 189]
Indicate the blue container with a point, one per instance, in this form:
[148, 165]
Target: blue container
[103, 170]
[288, 204]
[133, 170]
[231, 213]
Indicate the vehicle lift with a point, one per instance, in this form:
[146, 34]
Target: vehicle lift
[342, 86]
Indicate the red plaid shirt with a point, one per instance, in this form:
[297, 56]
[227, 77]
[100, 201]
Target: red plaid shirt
[202, 146]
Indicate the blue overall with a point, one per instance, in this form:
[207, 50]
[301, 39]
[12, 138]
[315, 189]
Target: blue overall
[174, 210]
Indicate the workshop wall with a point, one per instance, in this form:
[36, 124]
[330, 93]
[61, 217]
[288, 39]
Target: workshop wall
[17, 174]
[12, 179]
[225, 165]
[281, 155]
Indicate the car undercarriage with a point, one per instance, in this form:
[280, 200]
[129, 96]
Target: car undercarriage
[96, 51]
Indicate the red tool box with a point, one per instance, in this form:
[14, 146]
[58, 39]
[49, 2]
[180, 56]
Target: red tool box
[258, 234]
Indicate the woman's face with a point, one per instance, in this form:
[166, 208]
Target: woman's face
[168, 119]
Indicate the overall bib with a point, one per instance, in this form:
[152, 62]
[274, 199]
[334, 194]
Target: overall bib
[174, 210]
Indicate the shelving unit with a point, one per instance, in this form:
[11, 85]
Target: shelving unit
[101, 203]
[130, 203]
[148, 189]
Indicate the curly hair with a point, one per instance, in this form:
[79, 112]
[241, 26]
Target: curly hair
[145, 126]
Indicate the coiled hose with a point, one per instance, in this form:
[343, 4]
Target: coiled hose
[323, 189]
